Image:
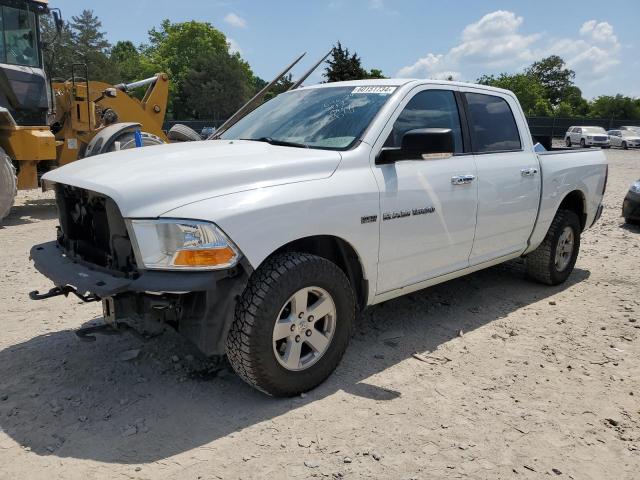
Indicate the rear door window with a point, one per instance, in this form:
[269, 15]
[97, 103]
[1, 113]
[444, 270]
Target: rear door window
[492, 124]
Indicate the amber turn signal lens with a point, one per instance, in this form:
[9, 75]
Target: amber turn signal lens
[204, 258]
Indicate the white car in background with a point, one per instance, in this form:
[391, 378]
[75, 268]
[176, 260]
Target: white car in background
[587, 137]
[631, 128]
[624, 138]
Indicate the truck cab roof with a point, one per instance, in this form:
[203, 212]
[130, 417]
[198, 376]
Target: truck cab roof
[401, 82]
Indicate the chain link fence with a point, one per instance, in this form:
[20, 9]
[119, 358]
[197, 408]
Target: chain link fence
[556, 127]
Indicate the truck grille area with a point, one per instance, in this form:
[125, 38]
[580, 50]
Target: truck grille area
[92, 230]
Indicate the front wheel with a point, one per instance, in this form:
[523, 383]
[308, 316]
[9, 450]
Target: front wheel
[292, 324]
[553, 261]
[582, 143]
[625, 146]
[568, 142]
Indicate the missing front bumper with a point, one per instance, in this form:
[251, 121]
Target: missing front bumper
[200, 305]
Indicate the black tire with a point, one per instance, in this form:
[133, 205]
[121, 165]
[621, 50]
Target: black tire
[568, 141]
[127, 141]
[8, 184]
[182, 133]
[540, 263]
[249, 343]
[582, 143]
[625, 146]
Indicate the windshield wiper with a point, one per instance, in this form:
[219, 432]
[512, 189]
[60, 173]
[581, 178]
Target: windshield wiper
[274, 141]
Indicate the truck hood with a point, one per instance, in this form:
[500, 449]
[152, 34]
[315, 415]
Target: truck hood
[147, 182]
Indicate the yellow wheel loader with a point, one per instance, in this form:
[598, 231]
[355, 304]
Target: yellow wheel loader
[43, 124]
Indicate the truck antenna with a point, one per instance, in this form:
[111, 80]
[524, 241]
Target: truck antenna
[254, 102]
[309, 72]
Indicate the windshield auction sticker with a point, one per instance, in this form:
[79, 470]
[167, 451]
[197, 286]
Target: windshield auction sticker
[375, 89]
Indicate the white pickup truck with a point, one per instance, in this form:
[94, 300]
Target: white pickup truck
[265, 243]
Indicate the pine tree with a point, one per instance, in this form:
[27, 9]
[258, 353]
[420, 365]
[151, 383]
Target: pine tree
[91, 46]
[87, 34]
[343, 65]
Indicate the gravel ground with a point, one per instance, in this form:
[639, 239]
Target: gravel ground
[487, 376]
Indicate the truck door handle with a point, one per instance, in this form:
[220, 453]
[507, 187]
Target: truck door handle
[462, 179]
[528, 172]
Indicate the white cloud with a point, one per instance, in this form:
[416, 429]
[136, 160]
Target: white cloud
[599, 32]
[235, 20]
[380, 6]
[495, 43]
[593, 55]
[233, 46]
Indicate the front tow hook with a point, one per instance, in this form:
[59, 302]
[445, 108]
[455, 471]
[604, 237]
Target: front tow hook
[57, 291]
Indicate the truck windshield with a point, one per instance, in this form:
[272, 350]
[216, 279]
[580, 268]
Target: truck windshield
[18, 37]
[594, 130]
[328, 118]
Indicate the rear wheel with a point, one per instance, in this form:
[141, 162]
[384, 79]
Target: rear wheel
[625, 146]
[8, 184]
[553, 261]
[292, 324]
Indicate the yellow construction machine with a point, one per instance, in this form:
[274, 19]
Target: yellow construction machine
[44, 125]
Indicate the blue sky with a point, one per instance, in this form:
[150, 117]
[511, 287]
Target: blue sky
[409, 38]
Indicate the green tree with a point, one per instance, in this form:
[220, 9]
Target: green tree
[375, 73]
[542, 108]
[128, 62]
[58, 52]
[175, 48]
[564, 110]
[618, 106]
[530, 93]
[284, 84]
[215, 87]
[346, 66]
[552, 73]
[90, 46]
[579, 106]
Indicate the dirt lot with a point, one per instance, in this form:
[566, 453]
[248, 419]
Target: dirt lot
[512, 380]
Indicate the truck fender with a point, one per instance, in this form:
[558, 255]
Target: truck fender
[105, 138]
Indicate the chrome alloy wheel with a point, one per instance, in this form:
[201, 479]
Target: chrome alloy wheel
[304, 328]
[564, 249]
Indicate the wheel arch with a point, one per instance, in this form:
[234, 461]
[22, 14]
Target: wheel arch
[576, 202]
[105, 137]
[338, 251]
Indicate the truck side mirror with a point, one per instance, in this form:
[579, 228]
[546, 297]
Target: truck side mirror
[418, 143]
[57, 20]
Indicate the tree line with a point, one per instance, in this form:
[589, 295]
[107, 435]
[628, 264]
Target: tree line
[209, 80]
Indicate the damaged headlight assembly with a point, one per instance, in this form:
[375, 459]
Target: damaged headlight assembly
[176, 244]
